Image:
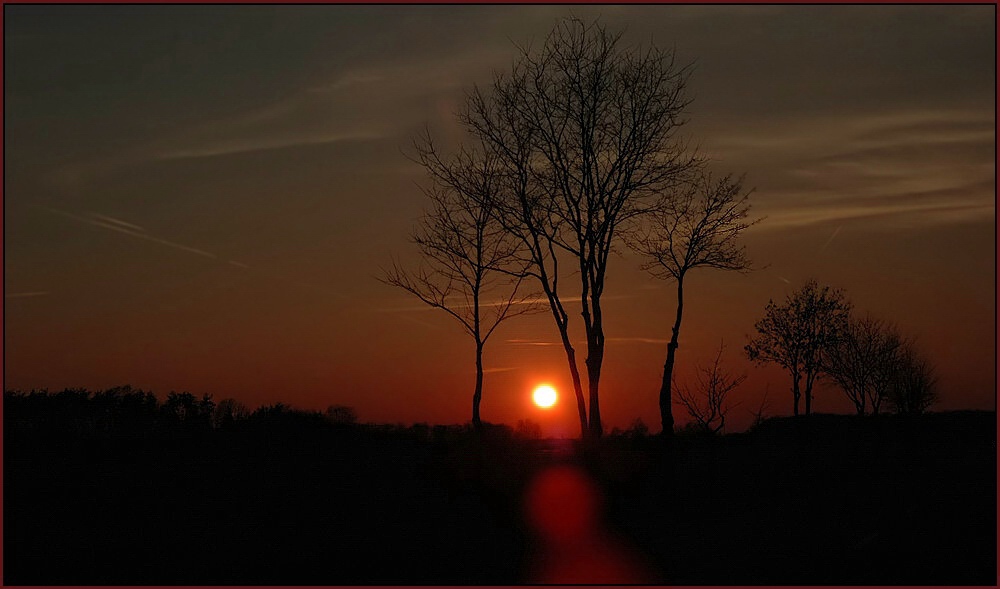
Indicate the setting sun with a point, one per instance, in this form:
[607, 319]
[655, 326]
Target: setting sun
[544, 396]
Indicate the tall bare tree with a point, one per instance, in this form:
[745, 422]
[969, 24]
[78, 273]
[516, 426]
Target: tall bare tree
[697, 226]
[707, 403]
[470, 266]
[587, 130]
[796, 334]
[864, 361]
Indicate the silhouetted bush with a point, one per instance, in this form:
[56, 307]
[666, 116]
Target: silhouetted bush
[228, 412]
[529, 429]
[341, 415]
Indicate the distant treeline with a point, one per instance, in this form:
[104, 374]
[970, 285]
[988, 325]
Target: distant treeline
[125, 409]
[130, 411]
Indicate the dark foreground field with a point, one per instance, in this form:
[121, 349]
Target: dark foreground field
[822, 500]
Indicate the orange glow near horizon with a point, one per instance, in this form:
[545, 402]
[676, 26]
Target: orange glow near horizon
[544, 396]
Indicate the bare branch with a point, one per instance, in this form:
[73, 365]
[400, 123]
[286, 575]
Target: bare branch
[707, 404]
[697, 225]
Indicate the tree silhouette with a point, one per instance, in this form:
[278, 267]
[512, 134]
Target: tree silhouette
[913, 388]
[528, 429]
[864, 361]
[341, 415]
[696, 226]
[228, 412]
[180, 406]
[758, 415]
[796, 335]
[585, 129]
[471, 268]
[707, 403]
[188, 410]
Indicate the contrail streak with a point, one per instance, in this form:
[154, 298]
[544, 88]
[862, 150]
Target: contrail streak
[118, 222]
[835, 232]
[132, 230]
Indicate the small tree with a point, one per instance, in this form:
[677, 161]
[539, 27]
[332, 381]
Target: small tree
[707, 403]
[864, 361]
[759, 416]
[696, 227]
[914, 387]
[797, 334]
[468, 258]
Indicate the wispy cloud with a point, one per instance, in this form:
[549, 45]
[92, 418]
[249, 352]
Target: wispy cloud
[264, 144]
[25, 295]
[351, 79]
[407, 309]
[911, 167]
[621, 340]
[369, 102]
[462, 305]
[132, 230]
[929, 213]
[420, 321]
[530, 342]
[637, 340]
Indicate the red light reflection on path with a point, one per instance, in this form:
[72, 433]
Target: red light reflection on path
[563, 507]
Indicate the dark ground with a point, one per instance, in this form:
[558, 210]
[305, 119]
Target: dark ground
[821, 500]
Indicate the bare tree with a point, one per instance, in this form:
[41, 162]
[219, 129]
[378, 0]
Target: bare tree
[864, 361]
[796, 335]
[695, 227]
[707, 403]
[587, 130]
[914, 386]
[758, 415]
[471, 268]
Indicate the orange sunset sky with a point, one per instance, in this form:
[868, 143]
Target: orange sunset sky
[200, 198]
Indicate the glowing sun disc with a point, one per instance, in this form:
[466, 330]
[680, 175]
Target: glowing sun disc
[544, 396]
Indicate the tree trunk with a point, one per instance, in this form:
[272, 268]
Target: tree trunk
[795, 395]
[581, 405]
[809, 392]
[595, 357]
[478, 395]
[876, 399]
[559, 314]
[666, 401]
